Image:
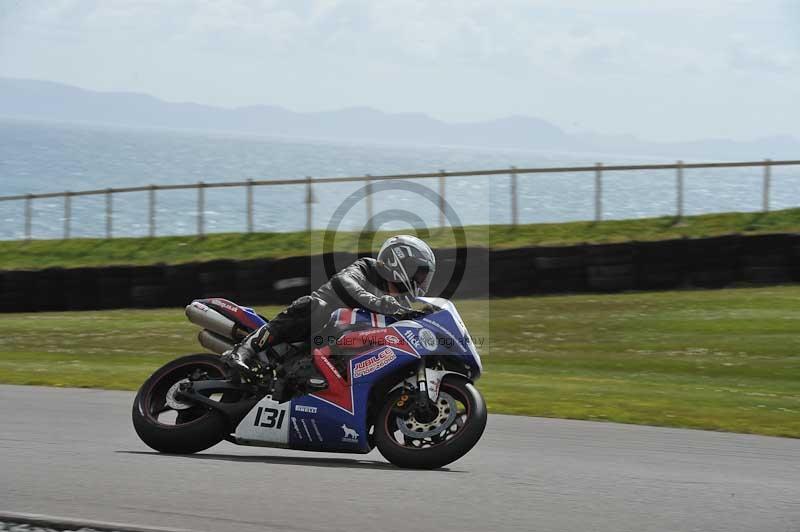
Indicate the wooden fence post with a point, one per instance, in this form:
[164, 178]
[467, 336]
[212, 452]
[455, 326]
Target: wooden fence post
[309, 202]
[442, 201]
[598, 192]
[152, 201]
[28, 216]
[514, 211]
[249, 202]
[201, 208]
[109, 213]
[679, 185]
[67, 213]
[370, 212]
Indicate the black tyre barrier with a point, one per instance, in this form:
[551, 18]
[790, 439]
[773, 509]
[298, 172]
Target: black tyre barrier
[512, 272]
[794, 255]
[716, 278]
[610, 267]
[112, 287]
[610, 254]
[661, 264]
[253, 283]
[218, 279]
[463, 273]
[611, 278]
[80, 288]
[714, 262]
[148, 288]
[321, 267]
[48, 292]
[290, 278]
[680, 263]
[710, 248]
[147, 296]
[766, 259]
[560, 269]
[17, 291]
[182, 284]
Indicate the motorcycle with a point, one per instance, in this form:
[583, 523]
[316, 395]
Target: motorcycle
[402, 385]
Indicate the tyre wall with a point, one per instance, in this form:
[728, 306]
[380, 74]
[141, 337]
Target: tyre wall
[466, 273]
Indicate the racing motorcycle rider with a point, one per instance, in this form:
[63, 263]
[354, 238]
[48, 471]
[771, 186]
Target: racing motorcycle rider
[387, 285]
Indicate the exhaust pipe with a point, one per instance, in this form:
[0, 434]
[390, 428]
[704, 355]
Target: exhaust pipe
[210, 319]
[214, 342]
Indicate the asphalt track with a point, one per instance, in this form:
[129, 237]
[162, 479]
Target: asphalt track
[73, 453]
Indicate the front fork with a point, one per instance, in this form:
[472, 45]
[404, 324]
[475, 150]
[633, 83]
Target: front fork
[423, 402]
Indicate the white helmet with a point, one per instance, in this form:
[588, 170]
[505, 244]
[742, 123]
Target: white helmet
[408, 262]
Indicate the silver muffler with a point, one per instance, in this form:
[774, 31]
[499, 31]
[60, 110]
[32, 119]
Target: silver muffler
[208, 318]
[214, 342]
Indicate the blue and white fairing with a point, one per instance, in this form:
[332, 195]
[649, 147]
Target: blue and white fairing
[453, 334]
[336, 419]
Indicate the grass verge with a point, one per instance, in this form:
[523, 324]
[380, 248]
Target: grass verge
[172, 250]
[722, 360]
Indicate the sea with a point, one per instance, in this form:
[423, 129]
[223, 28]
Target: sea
[40, 157]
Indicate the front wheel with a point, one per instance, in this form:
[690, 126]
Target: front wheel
[168, 425]
[446, 434]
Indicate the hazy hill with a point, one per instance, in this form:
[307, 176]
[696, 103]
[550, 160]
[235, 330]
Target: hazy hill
[54, 101]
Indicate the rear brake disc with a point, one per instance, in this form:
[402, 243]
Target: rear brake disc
[172, 401]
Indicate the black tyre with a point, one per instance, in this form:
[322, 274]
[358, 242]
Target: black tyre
[456, 426]
[169, 426]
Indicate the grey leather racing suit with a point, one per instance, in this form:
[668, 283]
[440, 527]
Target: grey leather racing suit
[359, 285]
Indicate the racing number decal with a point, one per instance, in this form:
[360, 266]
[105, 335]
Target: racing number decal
[268, 422]
[272, 418]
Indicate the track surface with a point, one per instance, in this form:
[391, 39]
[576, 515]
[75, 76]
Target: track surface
[73, 453]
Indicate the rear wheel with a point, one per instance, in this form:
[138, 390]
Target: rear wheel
[169, 425]
[446, 433]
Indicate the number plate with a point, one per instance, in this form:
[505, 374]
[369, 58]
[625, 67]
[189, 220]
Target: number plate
[268, 421]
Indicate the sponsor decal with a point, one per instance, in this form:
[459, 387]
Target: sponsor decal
[262, 337]
[434, 385]
[296, 428]
[305, 427]
[306, 409]
[224, 304]
[331, 367]
[428, 339]
[391, 339]
[412, 339]
[350, 435]
[316, 430]
[200, 306]
[374, 363]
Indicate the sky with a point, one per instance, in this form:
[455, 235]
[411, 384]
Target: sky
[663, 71]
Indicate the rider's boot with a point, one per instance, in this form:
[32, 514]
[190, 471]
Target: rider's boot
[244, 356]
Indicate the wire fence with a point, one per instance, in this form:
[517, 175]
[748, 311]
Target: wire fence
[513, 174]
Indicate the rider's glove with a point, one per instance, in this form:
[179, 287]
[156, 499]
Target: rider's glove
[409, 314]
[389, 306]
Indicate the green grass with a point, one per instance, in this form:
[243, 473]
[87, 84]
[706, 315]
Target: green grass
[723, 360]
[171, 250]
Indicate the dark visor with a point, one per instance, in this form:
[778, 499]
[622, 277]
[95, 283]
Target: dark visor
[421, 275]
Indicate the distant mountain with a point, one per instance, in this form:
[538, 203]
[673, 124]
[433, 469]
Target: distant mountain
[54, 101]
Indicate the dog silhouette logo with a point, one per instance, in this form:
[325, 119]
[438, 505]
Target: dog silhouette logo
[349, 434]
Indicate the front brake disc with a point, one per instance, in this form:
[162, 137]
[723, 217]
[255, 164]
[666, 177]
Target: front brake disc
[446, 412]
